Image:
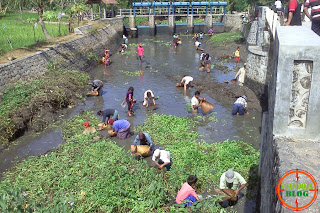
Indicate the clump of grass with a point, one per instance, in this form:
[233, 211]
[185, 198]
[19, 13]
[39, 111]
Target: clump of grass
[131, 73]
[88, 172]
[226, 38]
[21, 102]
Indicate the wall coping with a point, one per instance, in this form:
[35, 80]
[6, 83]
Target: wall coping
[257, 50]
[46, 49]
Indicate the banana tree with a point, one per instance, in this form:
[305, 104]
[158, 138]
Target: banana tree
[50, 15]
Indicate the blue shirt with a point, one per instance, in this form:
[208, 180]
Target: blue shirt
[148, 138]
[120, 124]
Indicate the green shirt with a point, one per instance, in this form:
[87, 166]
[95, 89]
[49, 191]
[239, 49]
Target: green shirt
[237, 182]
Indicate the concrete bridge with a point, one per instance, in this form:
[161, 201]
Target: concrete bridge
[283, 67]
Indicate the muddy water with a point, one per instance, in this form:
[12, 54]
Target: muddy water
[160, 65]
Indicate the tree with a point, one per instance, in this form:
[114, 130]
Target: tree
[50, 15]
[78, 9]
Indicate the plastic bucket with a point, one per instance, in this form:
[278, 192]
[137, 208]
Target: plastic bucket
[189, 109]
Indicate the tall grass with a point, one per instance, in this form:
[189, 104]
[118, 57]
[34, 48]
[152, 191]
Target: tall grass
[16, 28]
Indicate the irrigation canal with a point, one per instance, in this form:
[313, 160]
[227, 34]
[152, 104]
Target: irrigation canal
[162, 63]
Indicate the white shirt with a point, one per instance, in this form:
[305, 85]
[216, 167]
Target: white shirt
[187, 79]
[278, 4]
[197, 43]
[241, 73]
[145, 96]
[164, 156]
[194, 101]
[201, 56]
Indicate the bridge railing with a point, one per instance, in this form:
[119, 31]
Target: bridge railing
[273, 20]
[164, 11]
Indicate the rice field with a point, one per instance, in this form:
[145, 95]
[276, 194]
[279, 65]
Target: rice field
[15, 28]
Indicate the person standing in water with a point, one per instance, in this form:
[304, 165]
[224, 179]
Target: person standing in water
[237, 55]
[140, 52]
[129, 100]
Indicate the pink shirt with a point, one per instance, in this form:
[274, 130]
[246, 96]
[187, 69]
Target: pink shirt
[140, 51]
[184, 192]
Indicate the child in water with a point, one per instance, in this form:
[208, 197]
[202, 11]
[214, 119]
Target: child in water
[129, 100]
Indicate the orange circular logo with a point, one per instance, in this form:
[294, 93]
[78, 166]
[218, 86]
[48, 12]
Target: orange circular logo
[297, 190]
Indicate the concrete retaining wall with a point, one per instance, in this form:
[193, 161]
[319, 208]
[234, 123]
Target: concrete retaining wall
[232, 22]
[73, 54]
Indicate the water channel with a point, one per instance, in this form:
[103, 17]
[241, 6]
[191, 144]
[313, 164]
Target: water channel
[162, 63]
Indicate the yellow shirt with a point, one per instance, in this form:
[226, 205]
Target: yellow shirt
[237, 53]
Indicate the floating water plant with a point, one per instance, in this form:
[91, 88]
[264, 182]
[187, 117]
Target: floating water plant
[131, 73]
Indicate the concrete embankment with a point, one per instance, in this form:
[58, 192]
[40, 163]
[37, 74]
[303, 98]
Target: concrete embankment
[73, 54]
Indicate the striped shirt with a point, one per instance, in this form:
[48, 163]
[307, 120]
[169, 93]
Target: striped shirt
[315, 8]
[241, 101]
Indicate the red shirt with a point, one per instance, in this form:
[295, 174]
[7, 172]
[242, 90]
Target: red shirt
[184, 192]
[293, 5]
[140, 51]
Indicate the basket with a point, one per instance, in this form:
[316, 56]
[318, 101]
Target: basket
[93, 93]
[112, 133]
[142, 150]
[234, 81]
[189, 107]
[104, 126]
[206, 107]
[230, 191]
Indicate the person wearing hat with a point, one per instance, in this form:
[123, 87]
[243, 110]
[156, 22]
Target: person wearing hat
[144, 138]
[140, 51]
[108, 113]
[241, 73]
[240, 106]
[231, 183]
[162, 159]
[97, 85]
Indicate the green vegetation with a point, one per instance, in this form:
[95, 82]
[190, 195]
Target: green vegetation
[21, 33]
[226, 38]
[22, 102]
[131, 73]
[184, 20]
[142, 21]
[90, 173]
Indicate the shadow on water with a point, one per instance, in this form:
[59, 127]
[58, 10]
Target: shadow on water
[161, 64]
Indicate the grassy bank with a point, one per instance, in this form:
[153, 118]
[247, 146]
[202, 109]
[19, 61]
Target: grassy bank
[90, 173]
[226, 38]
[29, 104]
[17, 29]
